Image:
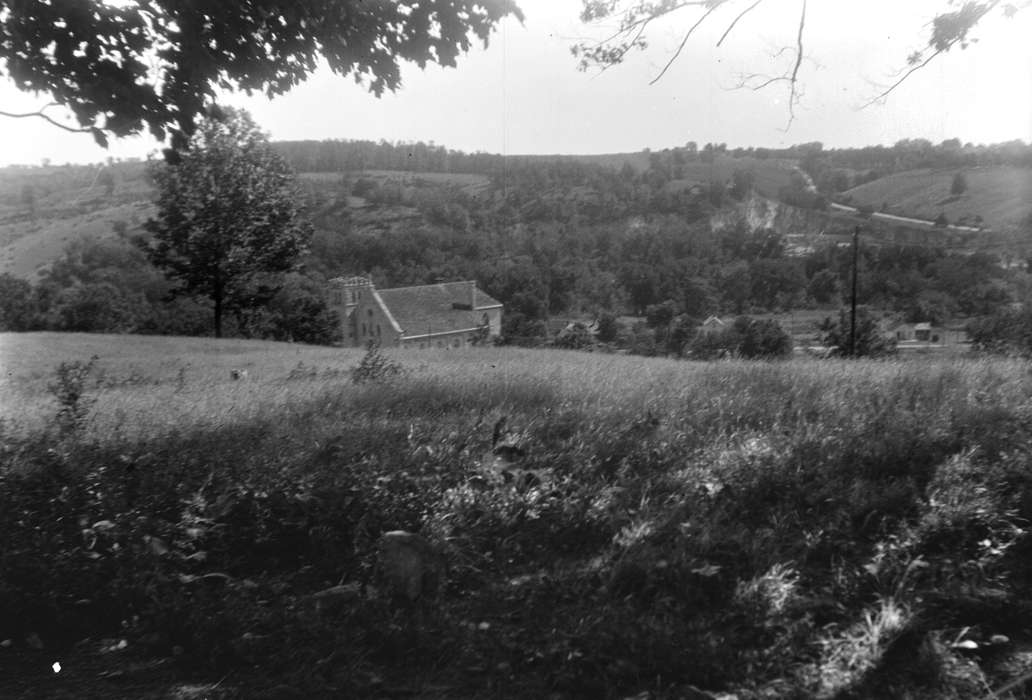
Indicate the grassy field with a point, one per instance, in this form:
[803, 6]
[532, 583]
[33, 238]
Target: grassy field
[802, 529]
[1000, 195]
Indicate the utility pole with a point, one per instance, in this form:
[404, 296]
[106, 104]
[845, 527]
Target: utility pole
[852, 301]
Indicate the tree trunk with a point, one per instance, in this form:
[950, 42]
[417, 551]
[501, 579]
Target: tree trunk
[217, 298]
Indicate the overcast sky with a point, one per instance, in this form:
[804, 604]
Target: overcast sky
[523, 94]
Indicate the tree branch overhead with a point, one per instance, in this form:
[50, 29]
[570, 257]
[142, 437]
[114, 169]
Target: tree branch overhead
[950, 27]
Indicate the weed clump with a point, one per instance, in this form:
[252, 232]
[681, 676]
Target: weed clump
[375, 367]
[69, 388]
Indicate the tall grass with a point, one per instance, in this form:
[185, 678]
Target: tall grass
[791, 528]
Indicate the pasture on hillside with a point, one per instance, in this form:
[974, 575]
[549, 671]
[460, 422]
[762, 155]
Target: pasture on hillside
[999, 194]
[68, 203]
[834, 529]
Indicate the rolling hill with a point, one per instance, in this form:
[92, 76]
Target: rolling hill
[1001, 195]
[43, 209]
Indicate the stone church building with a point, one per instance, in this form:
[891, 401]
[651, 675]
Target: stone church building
[449, 314]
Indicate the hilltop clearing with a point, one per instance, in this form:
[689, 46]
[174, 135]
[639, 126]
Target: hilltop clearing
[798, 529]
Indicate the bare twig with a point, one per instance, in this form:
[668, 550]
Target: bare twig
[789, 76]
[919, 65]
[684, 41]
[916, 67]
[767, 81]
[42, 115]
[629, 46]
[793, 95]
[626, 28]
[741, 14]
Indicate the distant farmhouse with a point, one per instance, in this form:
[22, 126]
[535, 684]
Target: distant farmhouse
[451, 314]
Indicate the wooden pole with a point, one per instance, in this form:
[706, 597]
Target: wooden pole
[852, 302]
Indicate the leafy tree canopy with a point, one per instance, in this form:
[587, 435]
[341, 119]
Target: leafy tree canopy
[154, 64]
[869, 340]
[227, 216]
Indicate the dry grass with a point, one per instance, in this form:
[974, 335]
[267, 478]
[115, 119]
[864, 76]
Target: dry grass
[781, 524]
[162, 381]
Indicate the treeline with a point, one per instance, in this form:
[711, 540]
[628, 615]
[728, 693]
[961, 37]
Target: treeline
[837, 170]
[336, 155]
[108, 286]
[557, 240]
[546, 237]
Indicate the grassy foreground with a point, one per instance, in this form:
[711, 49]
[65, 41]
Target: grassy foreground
[805, 529]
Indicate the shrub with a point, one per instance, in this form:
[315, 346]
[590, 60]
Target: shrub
[959, 185]
[575, 337]
[609, 327]
[375, 366]
[1007, 332]
[746, 338]
[69, 388]
[761, 339]
[869, 341]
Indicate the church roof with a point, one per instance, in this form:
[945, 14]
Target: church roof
[437, 308]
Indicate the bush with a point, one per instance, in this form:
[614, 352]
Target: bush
[746, 338]
[1007, 332]
[575, 337]
[609, 327]
[761, 339]
[870, 340]
[69, 388]
[375, 366]
[18, 306]
[959, 184]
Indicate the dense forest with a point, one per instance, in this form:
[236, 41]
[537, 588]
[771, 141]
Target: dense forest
[556, 237]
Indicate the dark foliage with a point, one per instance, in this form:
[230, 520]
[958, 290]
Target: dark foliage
[959, 184]
[1008, 331]
[778, 526]
[375, 366]
[227, 213]
[745, 338]
[18, 310]
[122, 69]
[69, 388]
[868, 341]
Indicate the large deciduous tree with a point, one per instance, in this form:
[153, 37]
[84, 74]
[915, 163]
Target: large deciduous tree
[123, 67]
[227, 214]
